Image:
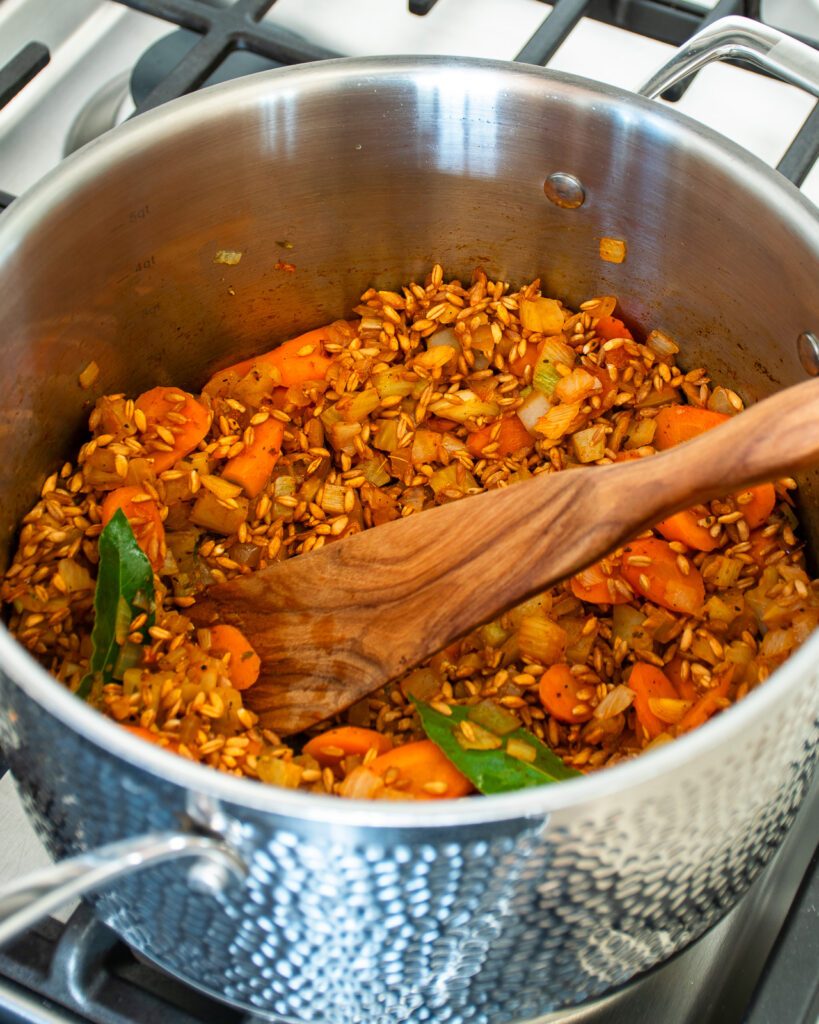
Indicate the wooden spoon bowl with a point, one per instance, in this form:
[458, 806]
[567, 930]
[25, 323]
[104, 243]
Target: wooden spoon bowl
[333, 625]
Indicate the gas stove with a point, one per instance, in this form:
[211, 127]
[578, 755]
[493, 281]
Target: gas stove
[69, 72]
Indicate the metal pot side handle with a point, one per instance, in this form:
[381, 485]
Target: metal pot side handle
[734, 37]
[42, 892]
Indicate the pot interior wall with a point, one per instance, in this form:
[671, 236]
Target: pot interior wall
[367, 173]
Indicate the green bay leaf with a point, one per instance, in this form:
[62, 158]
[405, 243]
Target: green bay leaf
[125, 585]
[493, 771]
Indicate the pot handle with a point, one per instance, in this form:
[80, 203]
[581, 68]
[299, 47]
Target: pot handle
[734, 37]
[36, 895]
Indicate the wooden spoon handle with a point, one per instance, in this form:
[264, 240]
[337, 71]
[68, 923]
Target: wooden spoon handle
[532, 535]
[333, 625]
[774, 438]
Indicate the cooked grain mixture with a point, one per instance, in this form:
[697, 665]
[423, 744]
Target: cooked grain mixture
[425, 395]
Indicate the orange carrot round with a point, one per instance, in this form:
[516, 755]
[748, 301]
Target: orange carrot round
[558, 695]
[244, 665]
[684, 527]
[429, 772]
[252, 468]
[708, 704]
[156, 404]
[610, 327]
[332, 746]
[529, 358]
[592, 585]
[650, 566]
[297, 360]
[512, 437]
[678, 423]
[647, 682]
[142, 513]
[762, 503]
[684, 685]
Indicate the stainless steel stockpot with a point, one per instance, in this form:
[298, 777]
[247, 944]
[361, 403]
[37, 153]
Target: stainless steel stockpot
[315, 909]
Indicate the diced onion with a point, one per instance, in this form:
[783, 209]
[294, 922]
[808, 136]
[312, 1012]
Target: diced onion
[445, 337]
[534, 406]
[615, 702]
[589, 445]
[89, 375]
[725, 401]
[668, 709]
[661, 345]
[577, 387]
[541, 640]
[613, 250]
[520, 750]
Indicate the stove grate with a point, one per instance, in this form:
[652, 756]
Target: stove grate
[20, 70]
[223, 31]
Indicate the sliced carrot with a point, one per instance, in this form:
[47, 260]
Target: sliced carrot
[152, 737]
[244, 665]
[558, 695]
[678, 423]
[610, 327]
[332, 746]
[757, 510]
[592, 585]
[682, 684]
[156, 404]
[252, 468]
[650, 566]
[512, 437]
[420, 765]
[708, 704]
[649, 682]
[608, 388]
[529, 358]
[300, 359]
[618, 357]
[684, 527]
[144, 518]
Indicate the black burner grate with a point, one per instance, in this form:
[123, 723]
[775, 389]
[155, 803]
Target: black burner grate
[215, 34]
[20, 70]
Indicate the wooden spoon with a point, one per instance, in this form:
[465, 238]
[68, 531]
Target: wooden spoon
[333, 625]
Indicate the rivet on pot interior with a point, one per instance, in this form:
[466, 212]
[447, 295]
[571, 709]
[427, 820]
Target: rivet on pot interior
[564, 190]
[807, 345]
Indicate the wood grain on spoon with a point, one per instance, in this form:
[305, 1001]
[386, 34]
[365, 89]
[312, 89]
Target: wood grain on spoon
[333, 625]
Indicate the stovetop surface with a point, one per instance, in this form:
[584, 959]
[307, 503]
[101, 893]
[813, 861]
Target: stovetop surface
[759, 964]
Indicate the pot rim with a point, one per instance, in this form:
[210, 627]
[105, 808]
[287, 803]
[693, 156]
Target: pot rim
[103, 155]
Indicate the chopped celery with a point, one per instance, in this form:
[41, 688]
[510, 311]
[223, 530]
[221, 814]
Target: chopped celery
[462, 406]
[219, 515]
[375, 470]
[452, 477]
[355, 408]
[333, 499]
[545, 377]
[590, 444]
[386, 435]
[493, 717]
[342, 436]
[471, 736]
[541, 640]
[394, 381]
